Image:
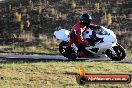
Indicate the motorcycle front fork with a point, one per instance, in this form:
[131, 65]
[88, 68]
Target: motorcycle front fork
[112, 50]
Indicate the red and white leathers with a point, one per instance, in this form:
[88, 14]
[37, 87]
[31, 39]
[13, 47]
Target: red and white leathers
[76, 37]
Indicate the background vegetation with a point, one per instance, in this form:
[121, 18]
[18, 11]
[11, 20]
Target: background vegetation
[31, 23]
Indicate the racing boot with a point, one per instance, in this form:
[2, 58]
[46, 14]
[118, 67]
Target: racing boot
[80, 54]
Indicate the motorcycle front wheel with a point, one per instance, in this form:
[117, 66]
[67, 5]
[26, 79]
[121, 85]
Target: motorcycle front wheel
[119, 54]
[67, 50]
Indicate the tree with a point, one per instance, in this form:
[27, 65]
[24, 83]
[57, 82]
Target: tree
[97, 7]
[40, 7]
[30, 1]
[18, 17]
[73, 4]
[109, 19]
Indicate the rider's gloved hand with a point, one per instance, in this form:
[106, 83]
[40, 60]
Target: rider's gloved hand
[98, 27]
[92, 42]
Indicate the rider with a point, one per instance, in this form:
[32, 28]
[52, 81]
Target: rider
[76, 34]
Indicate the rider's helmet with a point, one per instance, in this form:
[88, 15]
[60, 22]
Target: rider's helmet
[85, 19]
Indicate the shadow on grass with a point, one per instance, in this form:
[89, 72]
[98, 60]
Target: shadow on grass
[71, 73]
[74, 73]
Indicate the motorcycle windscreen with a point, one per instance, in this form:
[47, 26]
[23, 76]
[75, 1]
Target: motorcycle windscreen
[62, 34]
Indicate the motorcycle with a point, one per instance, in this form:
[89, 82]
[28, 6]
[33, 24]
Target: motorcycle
[105, 44]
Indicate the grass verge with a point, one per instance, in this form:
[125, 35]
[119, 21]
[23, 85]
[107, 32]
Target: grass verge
[57, 74]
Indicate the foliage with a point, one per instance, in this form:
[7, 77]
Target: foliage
[46, 16]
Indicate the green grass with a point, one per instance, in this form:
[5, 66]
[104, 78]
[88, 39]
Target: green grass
[129, 54]
[50, 50]
[57, 74]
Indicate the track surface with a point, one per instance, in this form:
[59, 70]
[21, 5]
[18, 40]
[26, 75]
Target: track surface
[56, 57]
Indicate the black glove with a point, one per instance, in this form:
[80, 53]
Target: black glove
[92, 41]
[98, 27]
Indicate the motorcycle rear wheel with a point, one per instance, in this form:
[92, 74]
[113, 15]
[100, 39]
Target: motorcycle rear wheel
[119, 55]
[67, 51]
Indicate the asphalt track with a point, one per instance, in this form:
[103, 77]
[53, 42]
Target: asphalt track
[57, 58]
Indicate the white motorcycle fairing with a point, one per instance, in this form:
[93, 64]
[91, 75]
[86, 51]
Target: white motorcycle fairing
[62, 34]
[109, 39]
[105, 44]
